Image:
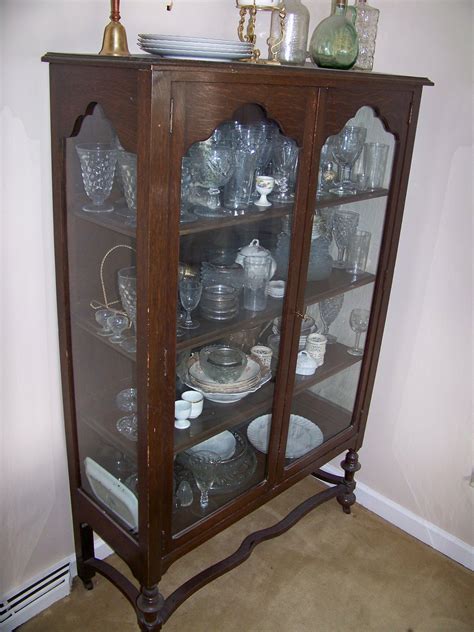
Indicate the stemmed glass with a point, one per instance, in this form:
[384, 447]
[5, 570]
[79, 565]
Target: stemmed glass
[117, 323]
[284, 157]
[190, 291]
[127, 282]
[97, 168]
[359, 321]
[347, 147]
[329, 310]
[345, 225]
[212, 165]
[102, 316]
[126, 401]
[203, 465]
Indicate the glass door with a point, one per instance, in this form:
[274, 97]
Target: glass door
[101, 225]
[345, 245]
[238, 192]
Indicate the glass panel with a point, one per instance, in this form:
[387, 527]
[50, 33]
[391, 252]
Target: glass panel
[237, 203]
[101, 220]
[346, 238]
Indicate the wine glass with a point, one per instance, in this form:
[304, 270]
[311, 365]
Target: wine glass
[190, 291]
[284, 157]
[347, 147]
[329, 310]
[127, 282]
[97, 168]
[212, 165]
[203, 464]
[345, 225]
[117, 323]
[359, 321]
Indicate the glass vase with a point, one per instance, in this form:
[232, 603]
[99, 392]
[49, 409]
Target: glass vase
[366, 21]
[293, 47]
[334, 43]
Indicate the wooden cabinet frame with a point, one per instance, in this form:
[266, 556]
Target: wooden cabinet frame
[158, 110]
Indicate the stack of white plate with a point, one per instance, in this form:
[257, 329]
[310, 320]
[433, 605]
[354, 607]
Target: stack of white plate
[253, 377]
[179, 47]
[276, 289]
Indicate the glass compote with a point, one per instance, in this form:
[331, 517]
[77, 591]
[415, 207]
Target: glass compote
[203, 465]
[127, 282]
[284, 158]
[212, 166]
[97, 168]
[346, 148]
[101, 317]
[359, 321]
[344, 226]
[128, 171]
[329, 310]
[190, 290]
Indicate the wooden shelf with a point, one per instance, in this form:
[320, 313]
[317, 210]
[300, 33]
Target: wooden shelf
[335, 200]
[113, 221]
[218, 417]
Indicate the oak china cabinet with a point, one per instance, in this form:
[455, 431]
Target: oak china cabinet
[216, 350]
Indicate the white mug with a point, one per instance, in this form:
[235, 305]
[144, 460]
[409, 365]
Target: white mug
[196, 400]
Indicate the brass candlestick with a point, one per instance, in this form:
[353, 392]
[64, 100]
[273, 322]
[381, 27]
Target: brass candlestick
[115, 37]
[249, 36]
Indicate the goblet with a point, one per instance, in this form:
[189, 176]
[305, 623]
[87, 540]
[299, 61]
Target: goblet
[117, 323]
[359, 321]
[264, 185]
[347, 146]
[128, 171]
[102, 316]
[127, 282]
[203, 464]
[126, 401]
[212, 166]
[284, 157]
[190, 291]
[345, 225]
[182, 412]
[329, 310]
[97, 168]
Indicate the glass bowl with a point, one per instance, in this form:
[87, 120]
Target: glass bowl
[222, 363]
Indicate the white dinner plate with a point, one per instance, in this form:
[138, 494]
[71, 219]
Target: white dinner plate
[192, 40]
[197, 55]
[303, 435]
[222, 444]
[199, 47]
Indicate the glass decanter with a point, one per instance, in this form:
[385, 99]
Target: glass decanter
[366, 21]
[334, 43]
[293, 47]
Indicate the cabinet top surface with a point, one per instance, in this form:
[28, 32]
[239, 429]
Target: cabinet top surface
[306, 72]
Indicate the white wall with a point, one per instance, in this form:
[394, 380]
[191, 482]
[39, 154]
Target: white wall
[418, 449]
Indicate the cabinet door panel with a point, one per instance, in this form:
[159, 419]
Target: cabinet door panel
[343, 273]
[224, 137]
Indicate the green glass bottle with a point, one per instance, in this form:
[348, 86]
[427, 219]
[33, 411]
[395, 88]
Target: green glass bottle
[334, 43]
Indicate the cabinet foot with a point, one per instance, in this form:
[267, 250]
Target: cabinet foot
[350, 465]
[149, 603]
[86, 550]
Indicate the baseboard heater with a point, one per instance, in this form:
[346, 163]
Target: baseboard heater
[31, 599]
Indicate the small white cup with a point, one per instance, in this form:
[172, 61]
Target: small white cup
[316, 347]
[196, 400]
[182, 410]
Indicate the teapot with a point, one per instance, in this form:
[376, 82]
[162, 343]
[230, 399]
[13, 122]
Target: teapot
[254, 249]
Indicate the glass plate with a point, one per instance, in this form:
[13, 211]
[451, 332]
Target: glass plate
[303, 435]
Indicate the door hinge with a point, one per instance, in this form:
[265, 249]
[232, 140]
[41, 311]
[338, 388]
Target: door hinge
[171, 115]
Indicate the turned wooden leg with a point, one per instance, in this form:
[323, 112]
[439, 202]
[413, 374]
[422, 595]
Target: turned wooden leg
[149, 603]
[350, 465]
[85, 537]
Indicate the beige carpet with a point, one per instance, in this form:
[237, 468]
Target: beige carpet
[330, 573]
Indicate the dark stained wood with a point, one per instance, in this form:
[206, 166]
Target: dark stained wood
[158, 108]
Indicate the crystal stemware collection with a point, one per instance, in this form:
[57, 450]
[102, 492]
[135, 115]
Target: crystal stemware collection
[240, 169]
